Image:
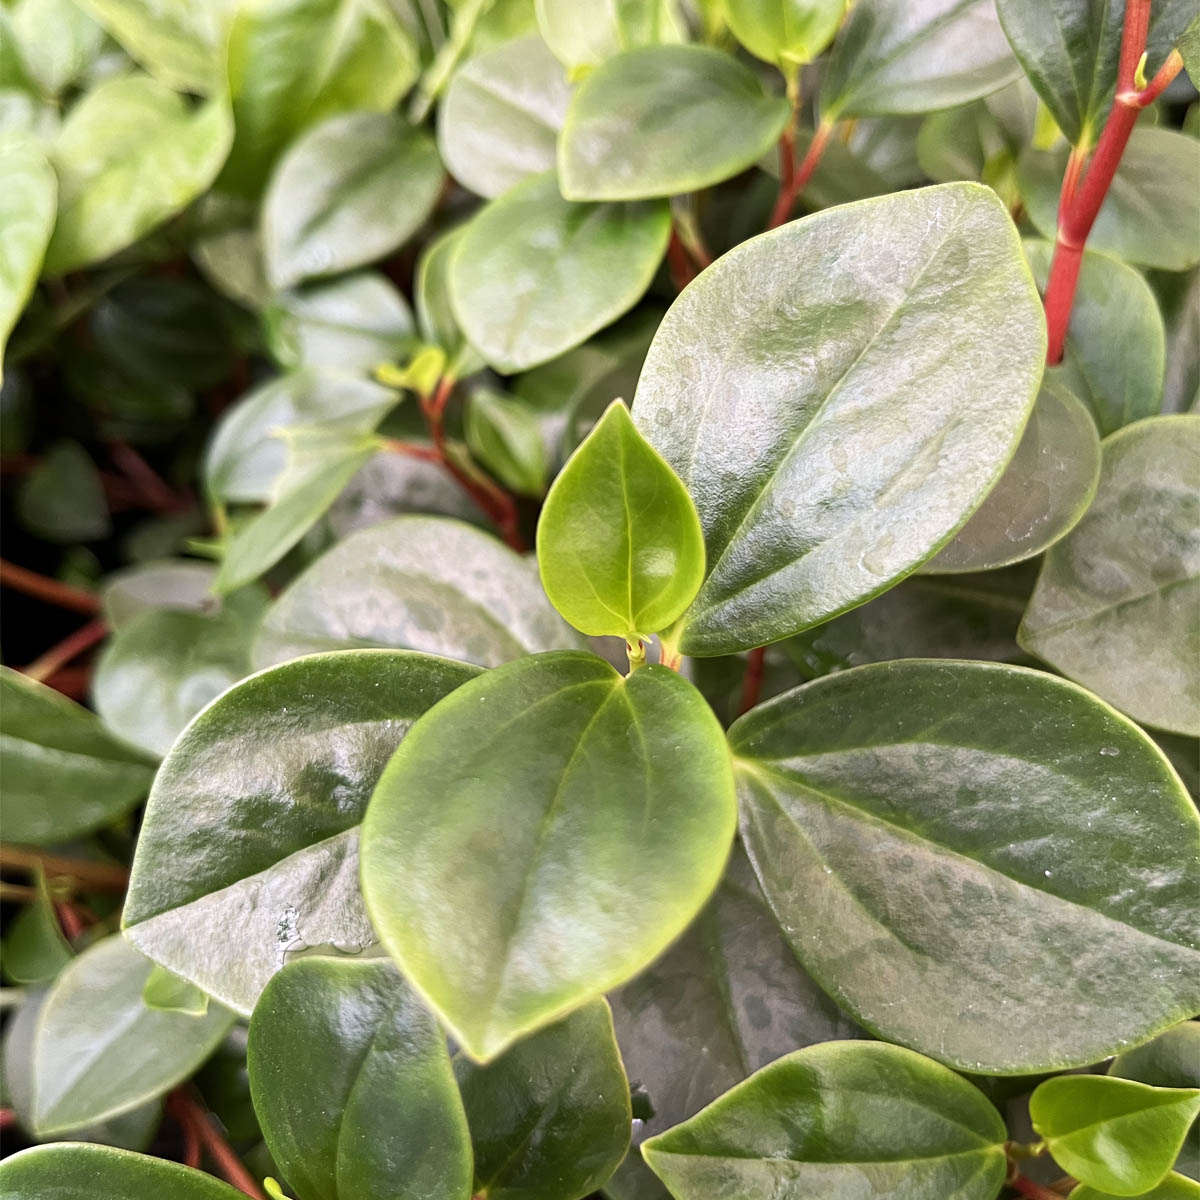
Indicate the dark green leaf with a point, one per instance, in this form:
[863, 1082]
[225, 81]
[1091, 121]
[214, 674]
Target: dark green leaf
[506, 902]
[947, 829]
[34, 949]
[504, 436]
[62, 498]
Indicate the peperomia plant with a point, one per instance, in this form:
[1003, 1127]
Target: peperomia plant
[607, 599]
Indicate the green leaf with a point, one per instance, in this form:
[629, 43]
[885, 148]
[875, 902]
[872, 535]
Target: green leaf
[619, 544]
[247, 456]
[1171, 1060]
[160, 670]
[582, 33]
[130, 154]
[498, 122]
[1151, 214]
[62, 498]
[838, 396]
[1173, 1187]
[180, 43]
[785, 32]
[178, 584]
[550, 1118]
[664, 120]
[435, 314]
[534, 274]
[28, 190]
[504, 436]
[731, 985]
[1122, 587]
[295, 751]
[926, 828]
[76, 1171]
[99, 1051]
[167, 991]
[1116, 347]
[1189, 47]
[64, 775]
[34, 949]
[915, 56]
[348, 191]
[58, 42]
[839, 1121]
[416, 583]
[1113, 1134]
[354, 323]
[292, 63]
[351, 1039]
[1070, 48]
[1044, 491]
[506, 903]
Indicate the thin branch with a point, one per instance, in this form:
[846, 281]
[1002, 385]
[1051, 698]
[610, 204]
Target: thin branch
[1035, 1191]
[794, 181]
[191, 1115]
[753, 681]
[69, 648]
[20, 579]
[87, 876]
[679, 263]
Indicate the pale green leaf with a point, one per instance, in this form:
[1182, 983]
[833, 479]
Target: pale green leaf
[28, 190]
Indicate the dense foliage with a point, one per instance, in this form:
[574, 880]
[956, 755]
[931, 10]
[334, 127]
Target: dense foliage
[607, 599]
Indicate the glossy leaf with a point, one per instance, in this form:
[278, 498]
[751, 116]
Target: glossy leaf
[1044, 491]
[1151, 214]
[294, 753]
[415, 583]
[726, 999]
[838, 396]
[1173, 1187]
[835, 1119]
[664, 120]
[583, 34]
[619, 544]
[64, 774]
[914, 56]
[100, 1051]
[1122, 587]
[498, 122]
[166, 991]
[550, 1118]
[435, 312]
[534, 275]
[28, 190]
[292, 63]
[484, 898]
[503, 434]
[180, 585]
[76, 1171]
[1115, 348]
[970, 811]
[130, 154]
[34, 949]
[351, 1038]
[785, 32]
[347, 192]
[1113, 1134]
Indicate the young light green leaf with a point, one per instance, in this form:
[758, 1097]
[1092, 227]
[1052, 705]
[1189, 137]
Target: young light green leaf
[78, 1171]
[58, 42]
[838, 396]
[62, 498]
[1123, 585]
[619, 543]
[901, 785]
[665, 120]
[99, 1051]
[1044, 491]
[28, 190]
[534, 275]
[347, 192]
[435, 314]
[832, 1120]
[915, 56]
[1114, 1134]
[1173, 1187]
[505, 902]
[295, 750]
[351, 1038]
[550, 1118]
[1116, 347]
[787, 33]
[34, 949]
[498, 122]
[167, 992]
[505, 437]
[130, 154]
[583, 34]
[416, 583]
[64, 774]
[1151, 214]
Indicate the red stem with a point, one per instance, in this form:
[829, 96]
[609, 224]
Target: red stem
[32, 584]
[752, 683]
[1035, 1191]
[8, 1118]
[194, 1117]
[149, 484]
[794, 180]
[679, 262]
[69, 919]
[70, 647]
[89, 876]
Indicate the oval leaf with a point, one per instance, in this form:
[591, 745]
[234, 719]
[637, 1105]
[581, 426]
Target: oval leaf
[785, 32]
[28, 190]
[664, 120]
[1123, 586]
[834, 1120]
[1174, 1187]
[944, 829]
[838, 396]
[505, 901]
[351, 1038]
[294, 751]
[619, 543]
